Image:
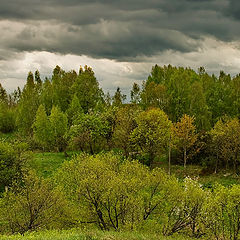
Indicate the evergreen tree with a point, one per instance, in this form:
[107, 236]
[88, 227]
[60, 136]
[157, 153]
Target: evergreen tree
[135, 93]
[87, 89]
[58, 123]
[199, 108]
[118, 98]
[74, 110]
[28, 105]
[42, 129]
[3, 94]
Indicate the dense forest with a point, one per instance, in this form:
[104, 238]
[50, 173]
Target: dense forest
[112, 177]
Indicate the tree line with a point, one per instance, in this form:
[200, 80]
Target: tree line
[188, 116]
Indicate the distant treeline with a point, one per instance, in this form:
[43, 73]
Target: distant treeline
[188, 115]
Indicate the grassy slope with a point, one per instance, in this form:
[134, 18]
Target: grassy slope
[208, 180]
[46, 163]
[75, 234]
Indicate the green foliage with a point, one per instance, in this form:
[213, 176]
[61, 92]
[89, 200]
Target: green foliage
[42, 129]
[69, 110]
[45, 164]
[183, 208]
[88, 132]
[151, 135]
[28, 105]
[59, 125]
[185, 132]
[225, 139]
[87, 89]
[135, 94]
[3, 95]
[113, 194]
[221, 212]
[12, 162]
[7, 118]
[124, 125]
[31, 206]
[199, 108]
[74, 110]
[61, 87]
[49, 132]
[154, 95]
[118, 98]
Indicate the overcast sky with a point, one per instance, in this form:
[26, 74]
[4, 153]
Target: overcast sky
[119, 39]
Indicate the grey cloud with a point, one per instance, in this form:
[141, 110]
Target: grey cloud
[115, 40]
[120, 30]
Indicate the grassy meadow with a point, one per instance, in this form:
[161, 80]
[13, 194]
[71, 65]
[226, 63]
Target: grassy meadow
[75, 234]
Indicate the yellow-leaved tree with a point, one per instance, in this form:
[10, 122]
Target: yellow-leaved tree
[185, 132]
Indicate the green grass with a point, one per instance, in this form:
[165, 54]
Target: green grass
[198, 172]
[208, 180]
[7, 136]
[75, 234]
[47, 163]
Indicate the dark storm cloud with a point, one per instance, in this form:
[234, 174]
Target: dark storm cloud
[233, 9]
[120, 30]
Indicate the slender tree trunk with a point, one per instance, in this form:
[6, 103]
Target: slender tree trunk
[151, 158]
[235, 164]
[216, 165]
[91, 148]
[169, 156]
[126, 153]
[185, 157]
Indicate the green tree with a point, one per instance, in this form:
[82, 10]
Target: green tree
[114, 194]
[135, 93]
[124, 125]
[35, 204]
[118, 98]
[42, 129]
[28, 105]
[38, 78]
[59, 126]
[232, 144]
[151, 136]
[74, 110]
[183, 208]
[62, 83]
[199, 108]
[47, 95]
[185, 131]
[86, 87]
[7, 118]
[225, 137]
[218, 141]
[3, 95]
[235, 95]
[154, 95]
[88, 132]
[221, 214]
[12, 162]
